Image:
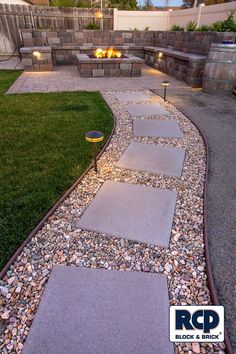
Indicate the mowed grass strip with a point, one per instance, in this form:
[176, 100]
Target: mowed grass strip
[43, 151]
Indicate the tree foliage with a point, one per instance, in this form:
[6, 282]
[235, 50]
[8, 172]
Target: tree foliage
[190, 3]
[148, 5]
[123, 4]
[72, 3]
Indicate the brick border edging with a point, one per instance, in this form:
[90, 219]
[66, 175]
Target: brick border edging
[41, 223]
[211, 283]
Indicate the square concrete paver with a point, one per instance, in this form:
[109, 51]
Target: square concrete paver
[131, 96]
[157, 128]
[94, 311]
[153, 158]
[146, 109]
[130, 211]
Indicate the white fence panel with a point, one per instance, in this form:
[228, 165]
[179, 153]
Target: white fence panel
[217, 12]
[155, 20]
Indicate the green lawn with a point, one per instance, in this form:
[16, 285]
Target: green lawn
[43, 151]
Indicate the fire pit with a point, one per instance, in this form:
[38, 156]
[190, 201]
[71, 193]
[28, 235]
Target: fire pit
[109, 63]
[106, 53]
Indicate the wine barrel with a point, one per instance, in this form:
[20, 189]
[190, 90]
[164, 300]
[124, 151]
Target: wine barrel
[220, 68]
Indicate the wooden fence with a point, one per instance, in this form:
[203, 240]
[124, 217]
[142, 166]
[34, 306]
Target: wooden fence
[13, 18]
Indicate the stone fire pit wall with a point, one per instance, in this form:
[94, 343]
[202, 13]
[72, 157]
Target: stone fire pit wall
[112, 67]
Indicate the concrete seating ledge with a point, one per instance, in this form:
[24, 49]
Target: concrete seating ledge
[183, 66]
[177, 54]
[36, 58]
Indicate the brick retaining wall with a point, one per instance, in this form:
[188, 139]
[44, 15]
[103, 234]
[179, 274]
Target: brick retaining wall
[188, 42]
[59, 38]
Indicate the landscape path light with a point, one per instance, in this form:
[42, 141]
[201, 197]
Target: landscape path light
[165, 84]
[94, 136]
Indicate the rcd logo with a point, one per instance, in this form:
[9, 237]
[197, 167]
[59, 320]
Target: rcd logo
[196, 323]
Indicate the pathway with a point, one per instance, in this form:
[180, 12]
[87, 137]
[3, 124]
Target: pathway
[66, 78]
[175, 254]
[129, 254]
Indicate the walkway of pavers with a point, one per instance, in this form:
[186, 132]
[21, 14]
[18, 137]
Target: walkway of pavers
[126, 304]
[66, 78]
[62, 80]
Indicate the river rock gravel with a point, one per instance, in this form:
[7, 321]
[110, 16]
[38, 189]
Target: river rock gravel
[60, 241]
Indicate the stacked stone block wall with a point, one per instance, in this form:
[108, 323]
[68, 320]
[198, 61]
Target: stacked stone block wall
[36, 58]
[128, 66]
[188, 68]
[190, 42]
[60, 38]
[66, 55]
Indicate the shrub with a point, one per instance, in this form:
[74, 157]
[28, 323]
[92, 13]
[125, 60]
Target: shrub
[146, 28]
[135, 29]
[177, 28]
[204, 28]
[191, 26]
[228, 25]
[92, 26]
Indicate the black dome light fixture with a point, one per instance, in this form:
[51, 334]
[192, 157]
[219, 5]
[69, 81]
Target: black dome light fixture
[94, 136]
[165, 84]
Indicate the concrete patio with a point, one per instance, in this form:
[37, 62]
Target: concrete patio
[67, 78]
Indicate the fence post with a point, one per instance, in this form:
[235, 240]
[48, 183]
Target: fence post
[168, 19]
[115, 15]
[199, 13]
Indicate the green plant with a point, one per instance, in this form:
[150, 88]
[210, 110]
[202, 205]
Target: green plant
[135, 29]
[177, 28]
[228, 25]
[204, 28]
[147, 28]
[123, 4]
[191, 26]
[92, 26]
[71, 3]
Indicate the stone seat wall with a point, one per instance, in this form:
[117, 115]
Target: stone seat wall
[36, 58]
[183, 66]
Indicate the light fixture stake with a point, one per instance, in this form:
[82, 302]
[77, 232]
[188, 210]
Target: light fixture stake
[165, 84]
[94, 137]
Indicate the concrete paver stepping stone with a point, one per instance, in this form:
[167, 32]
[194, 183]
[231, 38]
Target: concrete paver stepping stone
[157, 128]
[131, 211]
[131, 96]
[146, 109]
[153, 158]
[88, 311]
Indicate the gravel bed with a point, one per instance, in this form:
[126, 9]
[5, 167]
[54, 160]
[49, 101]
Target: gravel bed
[61, 242]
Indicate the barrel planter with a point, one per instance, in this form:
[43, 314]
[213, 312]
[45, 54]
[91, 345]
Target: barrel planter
[220, 68]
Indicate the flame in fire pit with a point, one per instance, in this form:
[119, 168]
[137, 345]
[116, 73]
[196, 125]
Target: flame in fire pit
[107, 53]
